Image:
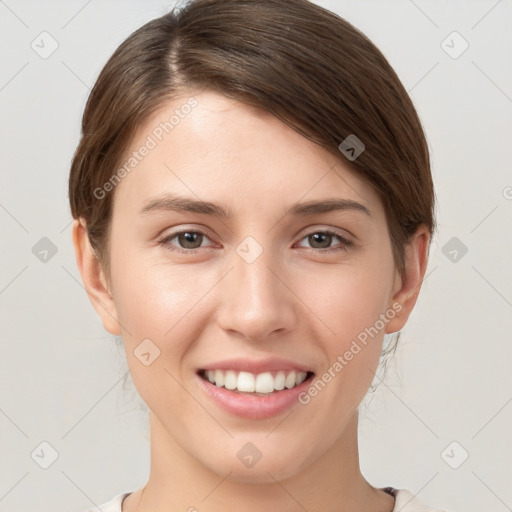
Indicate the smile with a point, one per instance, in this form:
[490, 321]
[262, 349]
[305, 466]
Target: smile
[256, 384]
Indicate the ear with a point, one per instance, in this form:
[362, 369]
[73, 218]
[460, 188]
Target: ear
[94, 279]
[407, 288]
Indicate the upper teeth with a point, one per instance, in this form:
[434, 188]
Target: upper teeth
[260, 383]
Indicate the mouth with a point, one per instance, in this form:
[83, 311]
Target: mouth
[260, 384]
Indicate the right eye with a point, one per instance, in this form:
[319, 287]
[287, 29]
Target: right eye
[188, 239]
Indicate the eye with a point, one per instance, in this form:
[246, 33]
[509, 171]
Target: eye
[189, 240]
[324, 238]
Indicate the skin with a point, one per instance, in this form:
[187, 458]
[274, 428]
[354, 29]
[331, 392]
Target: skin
[292, 302]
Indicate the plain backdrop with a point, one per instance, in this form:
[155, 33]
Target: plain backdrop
[440, 422]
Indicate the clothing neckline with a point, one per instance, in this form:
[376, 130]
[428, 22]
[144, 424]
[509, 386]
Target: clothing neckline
[389, 490]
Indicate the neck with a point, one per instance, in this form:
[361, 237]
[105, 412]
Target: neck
[331, 483]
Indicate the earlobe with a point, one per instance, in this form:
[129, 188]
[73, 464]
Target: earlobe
[416, 259]
[94, 279]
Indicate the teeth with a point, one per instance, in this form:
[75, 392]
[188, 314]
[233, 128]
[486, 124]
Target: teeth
[219, 377]
[247, 382]
[290, 380]
[279, 381]
[230, 380]
[264, 383]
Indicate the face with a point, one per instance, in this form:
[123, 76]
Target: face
[269, 288]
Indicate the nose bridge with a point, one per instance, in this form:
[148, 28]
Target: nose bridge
[256, 302]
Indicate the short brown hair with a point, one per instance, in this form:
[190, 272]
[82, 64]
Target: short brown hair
[296, 60]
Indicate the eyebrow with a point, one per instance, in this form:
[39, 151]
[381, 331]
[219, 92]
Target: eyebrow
[171, 202]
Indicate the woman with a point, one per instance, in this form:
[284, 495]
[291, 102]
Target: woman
[253, 210]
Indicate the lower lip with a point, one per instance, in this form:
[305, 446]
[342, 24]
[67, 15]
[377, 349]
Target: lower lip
[253, 406]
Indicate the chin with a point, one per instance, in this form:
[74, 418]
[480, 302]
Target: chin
[266, 470]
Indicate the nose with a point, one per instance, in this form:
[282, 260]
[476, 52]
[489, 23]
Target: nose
[257, 299]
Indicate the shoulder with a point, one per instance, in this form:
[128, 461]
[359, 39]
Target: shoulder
[406, 501]
[114, 505]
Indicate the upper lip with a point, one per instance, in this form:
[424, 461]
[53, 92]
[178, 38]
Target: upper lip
[256, 366]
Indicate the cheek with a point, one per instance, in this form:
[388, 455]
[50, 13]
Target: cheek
[345, 300]
[347, 306]
[167, 305]
[158, 308]
[152, 300]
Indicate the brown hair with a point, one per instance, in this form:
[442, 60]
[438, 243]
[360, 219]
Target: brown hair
[302, 63]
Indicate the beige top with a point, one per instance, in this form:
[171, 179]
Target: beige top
[405, 501]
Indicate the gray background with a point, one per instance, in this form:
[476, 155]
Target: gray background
[450, 381]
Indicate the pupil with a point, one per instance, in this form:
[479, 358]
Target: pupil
[325, 236]
[188, 238]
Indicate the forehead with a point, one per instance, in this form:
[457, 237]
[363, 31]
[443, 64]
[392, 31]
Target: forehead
[212, 148]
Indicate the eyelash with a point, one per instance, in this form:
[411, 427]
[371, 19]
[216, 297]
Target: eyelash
[345, 244]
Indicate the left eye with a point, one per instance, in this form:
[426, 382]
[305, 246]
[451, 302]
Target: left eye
[324, 238]
[192, 240]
